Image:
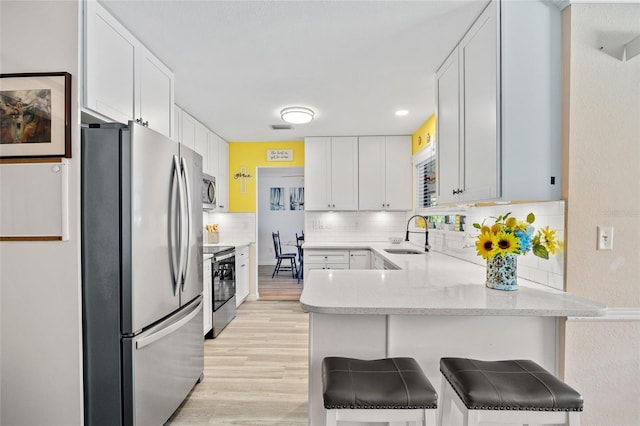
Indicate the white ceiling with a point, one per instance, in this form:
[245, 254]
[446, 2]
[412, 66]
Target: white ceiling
[238, 63]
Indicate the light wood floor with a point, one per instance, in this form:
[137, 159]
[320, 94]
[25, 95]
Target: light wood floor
[255, 370]
[280, 287]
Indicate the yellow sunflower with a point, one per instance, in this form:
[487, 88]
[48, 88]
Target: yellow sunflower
[485, 245]
[550, 239]
[506, 243]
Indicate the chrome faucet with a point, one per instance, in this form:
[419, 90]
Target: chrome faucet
[426, 231]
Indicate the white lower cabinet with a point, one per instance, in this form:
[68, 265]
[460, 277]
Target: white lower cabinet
[325, 259]
[207, 296]
[359, 259]
[242, 274]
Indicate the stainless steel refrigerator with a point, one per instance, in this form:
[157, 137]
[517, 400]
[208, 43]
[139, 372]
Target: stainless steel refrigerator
[141, 274]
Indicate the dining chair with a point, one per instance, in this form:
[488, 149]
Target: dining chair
[283, 256]
[299, 242]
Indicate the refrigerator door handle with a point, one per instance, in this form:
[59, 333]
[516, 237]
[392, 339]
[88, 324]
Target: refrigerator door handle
[146, 341]
[181, 215]
[175, 250]
[185, 173]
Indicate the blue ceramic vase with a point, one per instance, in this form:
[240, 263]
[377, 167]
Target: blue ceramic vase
[502, 272]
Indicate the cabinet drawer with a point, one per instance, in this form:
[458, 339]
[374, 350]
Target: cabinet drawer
[328, 256]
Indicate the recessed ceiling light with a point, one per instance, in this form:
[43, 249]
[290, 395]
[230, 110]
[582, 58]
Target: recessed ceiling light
[297, 115]
[402, 112]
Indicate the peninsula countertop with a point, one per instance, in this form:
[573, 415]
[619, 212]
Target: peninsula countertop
[429, 284]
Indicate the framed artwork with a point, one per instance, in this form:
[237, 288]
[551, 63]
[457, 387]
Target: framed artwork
[276, 198]
[35, 115]
[296, 198]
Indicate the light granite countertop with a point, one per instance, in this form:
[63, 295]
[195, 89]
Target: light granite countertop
[235, 244]
[429, 284]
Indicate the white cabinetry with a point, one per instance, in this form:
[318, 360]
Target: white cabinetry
[384, 172]
[214, 151]
[188, 130]
[331, 173]
[222, 178]
[201, 145]
[325, 259]
[242, 274]
[207, 296]
[359, 259]
[123, 80]
[177, 123]
[448, 130]
[498, 103]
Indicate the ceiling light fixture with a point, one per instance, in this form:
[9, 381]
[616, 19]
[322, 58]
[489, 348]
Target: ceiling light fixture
[297, 115]
[402, 112]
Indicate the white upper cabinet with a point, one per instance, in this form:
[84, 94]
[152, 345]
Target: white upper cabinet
[177, 123]
[109, 57]
[384, 172]
[498, 108]
[155, 96]
[123, 81]
[448, 94]
[214, 151]
[331, 173]
[188, 130]
[214, 156]
[222, 179]
[202, 145]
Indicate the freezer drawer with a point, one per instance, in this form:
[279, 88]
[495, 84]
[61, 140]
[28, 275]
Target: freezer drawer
[162, 365]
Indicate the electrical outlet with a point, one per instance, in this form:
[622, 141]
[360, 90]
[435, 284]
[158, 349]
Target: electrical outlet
[605, 237]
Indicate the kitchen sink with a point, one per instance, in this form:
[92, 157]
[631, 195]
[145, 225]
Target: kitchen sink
[403, 251]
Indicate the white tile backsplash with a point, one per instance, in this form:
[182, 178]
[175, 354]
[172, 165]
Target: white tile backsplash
[379, 226]
[354, 226]
[548, 272]
[232, 227]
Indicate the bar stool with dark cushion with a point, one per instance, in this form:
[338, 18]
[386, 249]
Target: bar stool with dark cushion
[390, 389]
[514, 391]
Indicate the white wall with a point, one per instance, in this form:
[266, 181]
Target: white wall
[40, 312]
[288, 222]
[601, 138]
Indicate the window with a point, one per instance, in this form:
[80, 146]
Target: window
[425, 175]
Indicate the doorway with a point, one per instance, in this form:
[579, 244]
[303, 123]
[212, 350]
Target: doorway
[279, 208]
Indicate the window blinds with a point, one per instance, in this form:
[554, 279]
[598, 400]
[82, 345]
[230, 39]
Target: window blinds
[426, 183]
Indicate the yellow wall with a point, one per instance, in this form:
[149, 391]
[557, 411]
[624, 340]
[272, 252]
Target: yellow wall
[251, 155]
[425, 135]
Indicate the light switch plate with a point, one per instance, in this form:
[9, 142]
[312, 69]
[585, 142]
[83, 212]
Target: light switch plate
[605, 237]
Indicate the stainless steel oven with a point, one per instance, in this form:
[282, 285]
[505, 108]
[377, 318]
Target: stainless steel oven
[223, 272]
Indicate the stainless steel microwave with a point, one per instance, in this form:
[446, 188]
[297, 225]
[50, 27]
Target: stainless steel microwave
[208, 192]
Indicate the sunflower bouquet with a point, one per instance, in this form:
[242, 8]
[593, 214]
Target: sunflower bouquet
[508, 235]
